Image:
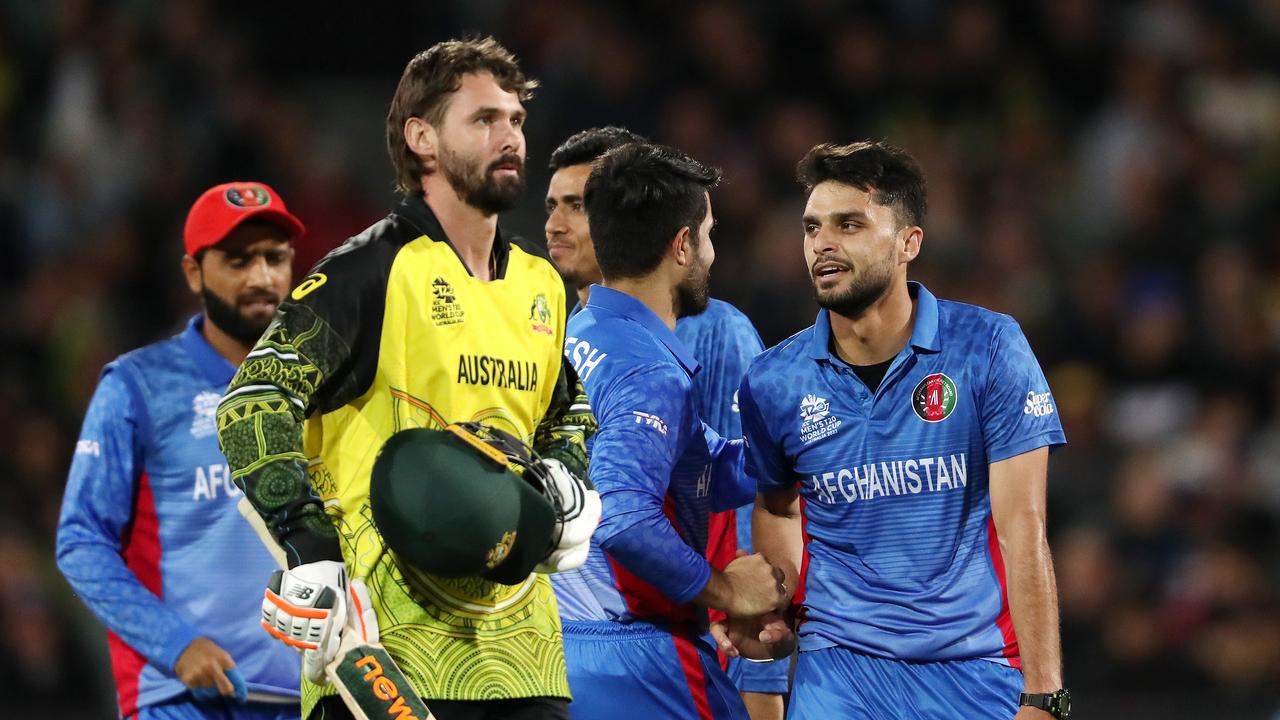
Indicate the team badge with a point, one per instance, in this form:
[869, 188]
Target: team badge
[247, 196]
[816, 420]
[540, 314]
[499, 552]
[934, 398]
[205, 408]
[445, 309]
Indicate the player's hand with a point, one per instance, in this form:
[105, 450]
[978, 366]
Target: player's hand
[577, 518]
[362, 621]
[768, 637]
[304, 608]
[756, 587]
[1030, 713]
[209, 671]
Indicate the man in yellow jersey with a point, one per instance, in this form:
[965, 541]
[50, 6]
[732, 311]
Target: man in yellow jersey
[429, 317]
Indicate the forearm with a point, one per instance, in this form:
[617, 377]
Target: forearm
[564, 429]
[260, 431]
[652, 550]
[776, 532]
[1033, 603]
[115, 595]
[763, 706]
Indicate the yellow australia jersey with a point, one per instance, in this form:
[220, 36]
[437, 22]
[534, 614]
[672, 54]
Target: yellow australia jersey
[390, 332]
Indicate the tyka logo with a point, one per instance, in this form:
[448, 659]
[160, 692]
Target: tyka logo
[650, 420]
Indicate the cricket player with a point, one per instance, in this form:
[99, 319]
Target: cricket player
[900, 446]
[721, 338]
[635, 612]
[431, 316]
[149, 536]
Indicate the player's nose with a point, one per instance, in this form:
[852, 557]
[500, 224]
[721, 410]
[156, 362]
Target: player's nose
[824, 241]
[555, 224]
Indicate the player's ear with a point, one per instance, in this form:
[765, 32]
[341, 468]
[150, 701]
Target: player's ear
[682, 247]
[911, 239]
[422, 140]
[191, 271]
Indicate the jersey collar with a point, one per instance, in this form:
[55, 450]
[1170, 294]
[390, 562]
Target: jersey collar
[216, 368]
[632, 309]
[924, 334]
[414, 209]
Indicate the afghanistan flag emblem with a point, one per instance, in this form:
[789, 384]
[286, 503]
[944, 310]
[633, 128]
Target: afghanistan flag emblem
[934, 398]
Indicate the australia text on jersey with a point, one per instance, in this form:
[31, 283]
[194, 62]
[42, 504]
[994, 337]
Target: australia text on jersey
[891, 478]
[499, 372]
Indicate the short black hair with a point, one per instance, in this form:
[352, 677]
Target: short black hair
[588, 145]
[638, 196]
[890, 174]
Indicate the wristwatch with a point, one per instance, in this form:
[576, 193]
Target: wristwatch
[1057, 703]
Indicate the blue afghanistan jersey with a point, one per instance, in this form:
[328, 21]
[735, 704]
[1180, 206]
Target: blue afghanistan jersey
[724, 342]
[150, 538]
[658, 468]
[901, 558]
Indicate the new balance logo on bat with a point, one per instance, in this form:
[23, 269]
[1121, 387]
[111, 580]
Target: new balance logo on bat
[385, 689]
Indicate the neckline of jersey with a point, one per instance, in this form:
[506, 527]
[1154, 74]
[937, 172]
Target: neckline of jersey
[630, 308]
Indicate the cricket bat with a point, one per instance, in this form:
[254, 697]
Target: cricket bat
[371, 684]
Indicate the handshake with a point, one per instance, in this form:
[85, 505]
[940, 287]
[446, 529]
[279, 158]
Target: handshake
[754, 595]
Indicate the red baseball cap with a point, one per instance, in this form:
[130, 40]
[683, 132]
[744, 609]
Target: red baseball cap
[223, 207]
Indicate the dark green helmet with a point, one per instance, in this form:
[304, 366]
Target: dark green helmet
[450, 502]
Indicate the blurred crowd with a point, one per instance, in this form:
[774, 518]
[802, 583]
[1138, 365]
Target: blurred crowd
[1106, 172]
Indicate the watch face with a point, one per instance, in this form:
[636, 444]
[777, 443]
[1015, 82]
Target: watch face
[1061, 705]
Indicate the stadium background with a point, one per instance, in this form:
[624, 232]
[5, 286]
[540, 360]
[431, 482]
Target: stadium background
[1104, 171]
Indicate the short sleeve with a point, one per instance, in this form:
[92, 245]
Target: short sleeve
[1018, 410]
[765, 460]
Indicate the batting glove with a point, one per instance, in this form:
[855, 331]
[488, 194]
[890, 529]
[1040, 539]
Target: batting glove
[309, 607]
[577, 518]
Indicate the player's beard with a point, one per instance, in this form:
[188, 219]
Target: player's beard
[865, 288]
[229, 319]
[479, 188]
[694, 292]
[575, 278]
[576, 275]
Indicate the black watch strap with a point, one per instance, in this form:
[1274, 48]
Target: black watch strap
[1057, 703]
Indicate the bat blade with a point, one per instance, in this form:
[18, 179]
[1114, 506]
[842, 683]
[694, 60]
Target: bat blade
[373, 686]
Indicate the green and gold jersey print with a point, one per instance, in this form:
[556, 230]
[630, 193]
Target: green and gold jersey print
[392, 332]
